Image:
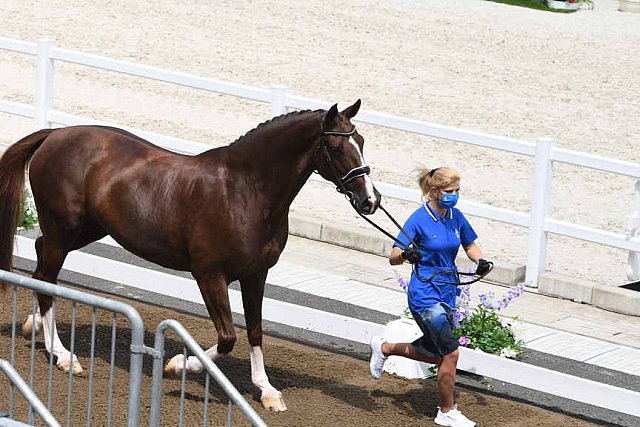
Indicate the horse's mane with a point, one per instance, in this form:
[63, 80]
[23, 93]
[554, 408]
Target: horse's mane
[273, 122]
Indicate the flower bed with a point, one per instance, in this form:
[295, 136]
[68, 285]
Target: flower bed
[478, 327]
[481, 327]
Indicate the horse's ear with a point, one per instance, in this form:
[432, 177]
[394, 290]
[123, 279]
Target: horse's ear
[331, 114]
[352, 110]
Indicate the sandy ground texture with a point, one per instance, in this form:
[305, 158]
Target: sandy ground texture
[320, 388]
[471, 64]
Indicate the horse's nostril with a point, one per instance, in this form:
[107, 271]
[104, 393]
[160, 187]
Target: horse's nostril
[367, 205]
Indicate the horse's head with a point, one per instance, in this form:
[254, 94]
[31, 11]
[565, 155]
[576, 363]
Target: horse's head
[341, 160]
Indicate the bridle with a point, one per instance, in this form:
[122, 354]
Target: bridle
[365, 170]
[349, 176]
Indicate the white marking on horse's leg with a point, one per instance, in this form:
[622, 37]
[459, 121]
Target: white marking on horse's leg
[58, 350]
[175, 365]
[271, 398]
[33, 321]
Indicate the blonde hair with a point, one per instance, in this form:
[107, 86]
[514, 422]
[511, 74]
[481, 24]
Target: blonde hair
[429, 179]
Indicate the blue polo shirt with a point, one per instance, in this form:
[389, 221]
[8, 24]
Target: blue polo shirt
[438, 240]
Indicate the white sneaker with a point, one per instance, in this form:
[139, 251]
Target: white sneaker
[377, 358]
[453, 418]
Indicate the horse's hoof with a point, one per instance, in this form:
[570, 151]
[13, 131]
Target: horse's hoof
[65, 366]
[274, 403]
[174, 366]
[27, 327]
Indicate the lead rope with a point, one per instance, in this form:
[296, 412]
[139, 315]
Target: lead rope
[402, 246]
[364, 170]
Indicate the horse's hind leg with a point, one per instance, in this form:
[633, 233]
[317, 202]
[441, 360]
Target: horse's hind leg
[90, 233]
[252, 295]
[52, 252]
[33, 321]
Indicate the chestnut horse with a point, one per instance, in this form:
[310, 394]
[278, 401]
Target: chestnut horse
[222, 215]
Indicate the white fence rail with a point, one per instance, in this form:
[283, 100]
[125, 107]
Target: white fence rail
[545, 153]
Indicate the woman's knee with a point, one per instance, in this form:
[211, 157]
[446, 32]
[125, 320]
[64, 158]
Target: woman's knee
[451, 357]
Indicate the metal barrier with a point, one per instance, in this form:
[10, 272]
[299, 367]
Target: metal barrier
[211, 370]
[137, 337]
[35, 404]
[136, 349]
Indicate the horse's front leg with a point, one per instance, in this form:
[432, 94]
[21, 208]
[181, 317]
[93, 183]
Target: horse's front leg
[33, 322]
[215, 293]
[252, 294]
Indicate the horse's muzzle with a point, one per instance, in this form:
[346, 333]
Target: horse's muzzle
[369, 203]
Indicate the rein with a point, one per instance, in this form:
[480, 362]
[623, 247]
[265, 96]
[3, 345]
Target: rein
[365, 170]
[414, 266]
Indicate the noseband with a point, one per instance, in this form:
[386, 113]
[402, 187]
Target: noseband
[349, 176]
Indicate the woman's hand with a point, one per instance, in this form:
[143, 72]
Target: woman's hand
[484, 267]
[412, 255]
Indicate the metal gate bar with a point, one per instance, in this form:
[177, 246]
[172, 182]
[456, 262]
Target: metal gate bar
[28, 394]
[210, 368]
[137, 330]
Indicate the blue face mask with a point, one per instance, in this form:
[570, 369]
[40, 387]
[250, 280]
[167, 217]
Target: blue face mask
[448, 200]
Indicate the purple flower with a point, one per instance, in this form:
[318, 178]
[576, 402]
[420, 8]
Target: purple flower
[489, 300]
[458, 317]
[403, 283]
[463, 310]
[465, 293]
[464, 341]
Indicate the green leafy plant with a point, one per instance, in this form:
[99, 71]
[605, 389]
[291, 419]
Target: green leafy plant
[481, 327]
[30, 216]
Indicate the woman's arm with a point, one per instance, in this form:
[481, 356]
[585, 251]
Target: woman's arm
[473, 252]
[396, 258]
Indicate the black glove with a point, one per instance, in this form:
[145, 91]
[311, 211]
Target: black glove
[412, 255]
[484, 267]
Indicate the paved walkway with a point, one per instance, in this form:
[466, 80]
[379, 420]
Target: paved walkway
[551, 325]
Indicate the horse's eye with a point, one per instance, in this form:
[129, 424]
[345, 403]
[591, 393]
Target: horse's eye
[336, 150]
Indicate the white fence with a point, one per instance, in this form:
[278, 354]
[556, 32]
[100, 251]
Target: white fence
[538, 221]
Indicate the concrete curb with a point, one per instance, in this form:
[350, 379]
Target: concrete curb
[604, 296]
[608, 297]
[565, 287]
[617, 299]
[377, 244]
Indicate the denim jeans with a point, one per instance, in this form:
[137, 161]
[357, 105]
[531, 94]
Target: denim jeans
[436, 323]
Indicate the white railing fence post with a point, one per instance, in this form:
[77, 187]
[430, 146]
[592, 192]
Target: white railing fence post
[540, 203]
[279, 100]
[44, 84]
[633, 223]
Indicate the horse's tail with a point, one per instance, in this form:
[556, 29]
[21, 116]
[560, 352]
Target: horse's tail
[13, 165]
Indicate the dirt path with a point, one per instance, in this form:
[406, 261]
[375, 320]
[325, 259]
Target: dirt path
[321, 388]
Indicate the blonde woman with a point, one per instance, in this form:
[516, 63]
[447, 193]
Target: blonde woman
[438, 230]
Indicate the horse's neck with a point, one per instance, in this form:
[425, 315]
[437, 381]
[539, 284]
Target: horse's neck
[279, 160]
